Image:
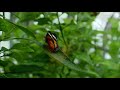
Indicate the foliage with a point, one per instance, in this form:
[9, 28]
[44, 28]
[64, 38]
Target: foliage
[28, 58]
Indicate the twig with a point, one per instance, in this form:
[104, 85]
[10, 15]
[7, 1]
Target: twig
[61, 30]
[3, 15]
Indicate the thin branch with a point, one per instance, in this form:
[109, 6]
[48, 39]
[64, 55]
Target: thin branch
[61, 30]
[3, 15]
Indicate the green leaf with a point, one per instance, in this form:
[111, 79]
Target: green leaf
[25, 69]
[25, 16]
[64, 60]
[110, 65]
[59, 56]
[4, 63]
[17, 54]
[4, 49]
[28, 32]
[68, 20]
[22, 47]
[43, 21]
[85, 57]
[5, 26]
[25, 30]
[3, 75]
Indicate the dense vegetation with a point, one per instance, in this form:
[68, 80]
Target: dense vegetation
[79, 55]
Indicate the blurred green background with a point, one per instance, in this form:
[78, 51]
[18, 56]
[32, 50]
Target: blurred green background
[79, 55]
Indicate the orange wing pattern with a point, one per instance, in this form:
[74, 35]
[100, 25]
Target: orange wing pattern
[52, 42]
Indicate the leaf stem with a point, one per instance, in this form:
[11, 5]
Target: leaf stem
[61, 30]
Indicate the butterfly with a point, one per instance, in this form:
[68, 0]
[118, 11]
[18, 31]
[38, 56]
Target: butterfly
[51, 40]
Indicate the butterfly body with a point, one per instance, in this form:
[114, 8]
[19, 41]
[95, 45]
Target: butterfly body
[51, 40]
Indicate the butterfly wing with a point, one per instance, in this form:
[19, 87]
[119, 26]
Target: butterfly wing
[52, 42]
